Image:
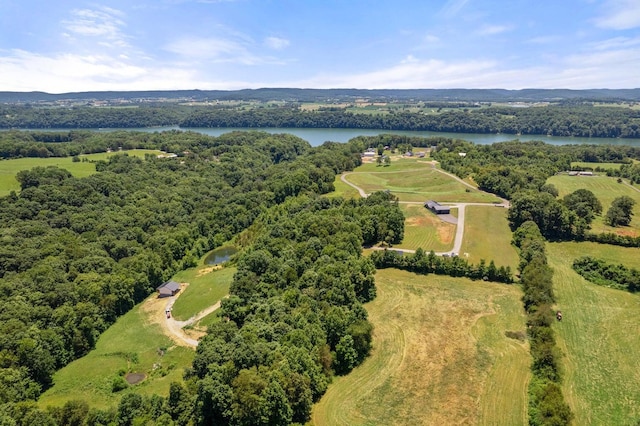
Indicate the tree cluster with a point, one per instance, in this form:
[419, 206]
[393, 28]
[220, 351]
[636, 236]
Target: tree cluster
[546, 402]
[423, 263]
[606, 274]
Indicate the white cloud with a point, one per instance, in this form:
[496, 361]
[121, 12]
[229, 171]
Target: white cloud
[276, 43]
[620, 15]
[493, 29]
[453, 7]
[104, 23]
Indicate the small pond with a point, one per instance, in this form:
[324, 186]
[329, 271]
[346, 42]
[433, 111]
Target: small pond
[220, 255]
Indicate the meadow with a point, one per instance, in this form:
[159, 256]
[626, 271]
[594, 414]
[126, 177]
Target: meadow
[207, 285]
[598, 337]
[440, 356]
[10, 168]
[133, 344]
[424, 229]
[606, 189]
[487, 236]
[421, 182]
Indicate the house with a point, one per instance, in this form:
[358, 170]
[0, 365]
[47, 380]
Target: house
[437, 208]
[168, 289]
[586, 173]
[369, 154]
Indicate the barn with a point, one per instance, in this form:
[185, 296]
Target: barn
[437, 208]
[168, 289]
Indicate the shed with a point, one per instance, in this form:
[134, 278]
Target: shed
[168, 289]
[437, 208]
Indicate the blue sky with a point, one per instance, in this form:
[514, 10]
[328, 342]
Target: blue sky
[76, 45]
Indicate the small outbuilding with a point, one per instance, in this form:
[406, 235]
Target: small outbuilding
[437, 208]
[168, 289]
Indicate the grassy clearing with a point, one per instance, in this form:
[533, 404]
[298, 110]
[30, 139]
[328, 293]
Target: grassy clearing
[586, 164]
[343, 190]
[487, 236]
[207, 285]
[598, 337]
[10, 168]
[419, 184]
[440, 356]
[424, 229]
[606, 189]
[90, 378]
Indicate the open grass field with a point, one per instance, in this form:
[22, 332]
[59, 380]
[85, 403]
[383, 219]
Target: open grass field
[132, 344]
[440, 356]
[606, 189]
[343, 190]
[418, 184]
[598, 337]
[487, 236]
[594, 165]
[424, 229]
[207, 285]
[10, 168]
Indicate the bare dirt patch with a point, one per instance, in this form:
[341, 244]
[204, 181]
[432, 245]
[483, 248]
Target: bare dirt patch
[208, 270]
[154, 309]
[445, 232]
[135, 378]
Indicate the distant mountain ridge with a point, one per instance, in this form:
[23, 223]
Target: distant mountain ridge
[324, 95]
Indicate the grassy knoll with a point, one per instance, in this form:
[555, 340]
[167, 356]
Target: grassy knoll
[10, 168]
[343, 190]
[487, 236]
[439, 356]
[132, 344]
[424, 229]
[206, 286]
[418, 184]
[598, 338]
[606, 189]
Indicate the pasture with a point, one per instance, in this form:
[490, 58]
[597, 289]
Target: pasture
[207, 285]
[420, 183]
[440, 356]
[606, 189]
[487, 236]
[424, 229]
[598, 338]
[133, 344]
[593, 166]
[10, 168]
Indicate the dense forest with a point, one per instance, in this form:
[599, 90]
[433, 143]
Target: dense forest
[580, 120]
[77, 253]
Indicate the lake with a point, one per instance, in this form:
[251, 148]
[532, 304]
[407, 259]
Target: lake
[317, 137]
[220, 255]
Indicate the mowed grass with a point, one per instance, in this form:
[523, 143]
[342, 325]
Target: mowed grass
[606, 189]
[90, 378]
[487, 236]
[586, 164]
[423, 229]
[598, 337]
[440, 356]
[10, 168]
[419, 185]
[206, 287]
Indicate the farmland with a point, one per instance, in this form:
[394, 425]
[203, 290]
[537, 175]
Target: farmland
[424, 229]
[440, 356]
[600, 351]
[10, 168]
[606, 189]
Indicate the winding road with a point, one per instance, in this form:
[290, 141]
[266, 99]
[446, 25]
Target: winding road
[175, 327]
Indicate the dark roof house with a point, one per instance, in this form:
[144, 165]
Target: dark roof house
[168, 289]
[437, 208]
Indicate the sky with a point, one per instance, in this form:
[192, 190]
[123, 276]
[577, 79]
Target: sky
[77, 45]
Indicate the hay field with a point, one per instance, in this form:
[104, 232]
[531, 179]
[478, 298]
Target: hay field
[598, 337]
[440, 356]
[424, 229]
[606, 189]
